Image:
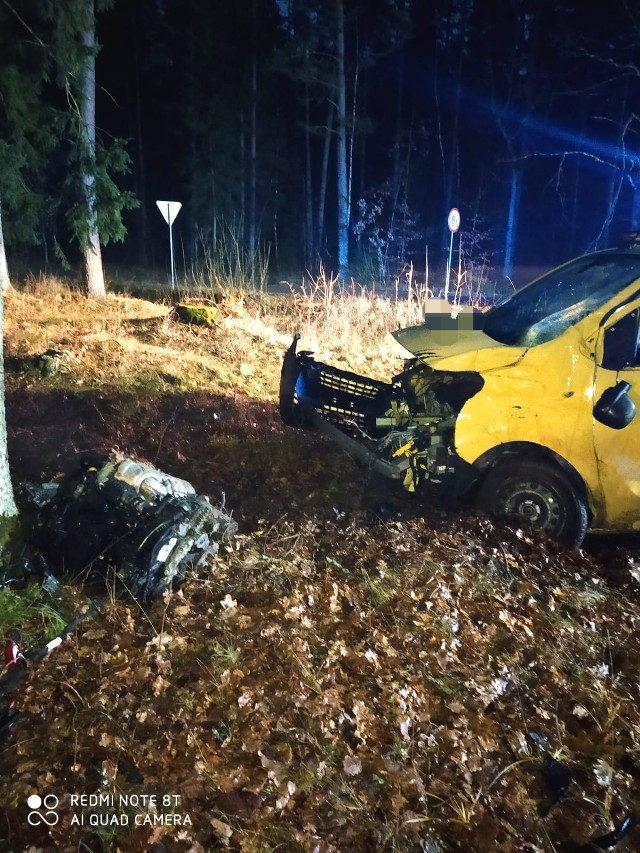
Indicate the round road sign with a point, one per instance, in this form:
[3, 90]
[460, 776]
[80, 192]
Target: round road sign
[453, 220]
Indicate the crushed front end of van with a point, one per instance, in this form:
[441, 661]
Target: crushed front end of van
[528, 410]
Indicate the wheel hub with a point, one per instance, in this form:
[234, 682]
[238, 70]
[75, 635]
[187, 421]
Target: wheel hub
[537, 505]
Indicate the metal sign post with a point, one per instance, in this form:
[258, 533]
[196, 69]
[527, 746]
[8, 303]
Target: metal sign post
[453, 221]
[170, 209]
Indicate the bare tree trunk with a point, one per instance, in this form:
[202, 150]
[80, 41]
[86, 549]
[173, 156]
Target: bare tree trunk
[253, 226]
[242, 234]
[253, 176]
[404, 238]
[453, 174]
[309, 251]
[143, 243]
[615, 186]
[342, 187]
[635, 210]
[214, 215]
[5, 281]
[396, 178]
[7, 502]
[93, 271]
[322, 194]
[512, 220]
[575, 219]
[351, 142]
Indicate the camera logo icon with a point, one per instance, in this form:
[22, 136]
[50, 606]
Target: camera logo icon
[43, 810]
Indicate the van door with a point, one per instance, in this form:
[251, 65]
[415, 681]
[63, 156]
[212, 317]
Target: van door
[617, 450]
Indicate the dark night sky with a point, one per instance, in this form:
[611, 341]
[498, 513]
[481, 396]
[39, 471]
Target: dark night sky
[459, 102]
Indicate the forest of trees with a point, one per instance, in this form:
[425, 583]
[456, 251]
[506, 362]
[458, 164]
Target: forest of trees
[334, 132]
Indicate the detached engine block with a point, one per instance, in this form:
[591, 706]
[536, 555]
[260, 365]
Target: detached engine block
[128, 522]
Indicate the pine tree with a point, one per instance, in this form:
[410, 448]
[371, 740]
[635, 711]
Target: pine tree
[95, 213]
[25, 139]
[26, 133]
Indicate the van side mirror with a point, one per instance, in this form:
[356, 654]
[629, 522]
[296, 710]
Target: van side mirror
[615, 408]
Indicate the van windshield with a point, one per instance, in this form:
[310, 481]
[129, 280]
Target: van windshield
[547, 307]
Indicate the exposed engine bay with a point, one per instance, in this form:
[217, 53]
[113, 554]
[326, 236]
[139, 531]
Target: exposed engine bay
[127, 522]
[404, 429]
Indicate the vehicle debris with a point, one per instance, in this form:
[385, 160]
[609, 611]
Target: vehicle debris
[17, 661]
[128, 523]
[610, 839]
[558, 779]
[12, 652]
[120, 521]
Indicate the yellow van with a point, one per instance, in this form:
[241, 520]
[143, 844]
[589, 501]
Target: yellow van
[529, 410]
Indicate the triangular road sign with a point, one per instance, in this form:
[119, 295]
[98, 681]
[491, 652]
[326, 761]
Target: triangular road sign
[169, 209]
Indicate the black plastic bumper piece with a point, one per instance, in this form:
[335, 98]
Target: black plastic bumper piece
[337, 403]
[348, 400]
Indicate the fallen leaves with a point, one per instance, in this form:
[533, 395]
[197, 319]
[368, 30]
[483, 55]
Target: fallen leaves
[375, 700]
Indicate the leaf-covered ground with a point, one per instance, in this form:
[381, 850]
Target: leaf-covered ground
[355, 672]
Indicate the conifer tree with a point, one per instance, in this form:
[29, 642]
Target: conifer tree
[95, 215]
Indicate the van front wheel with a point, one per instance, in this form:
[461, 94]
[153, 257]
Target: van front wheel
[539, 495]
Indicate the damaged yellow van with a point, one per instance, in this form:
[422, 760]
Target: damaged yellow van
[529, 409]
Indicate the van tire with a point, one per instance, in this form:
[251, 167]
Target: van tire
[538, 494]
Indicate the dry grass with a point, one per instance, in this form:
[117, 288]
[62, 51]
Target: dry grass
[125, 340]
[349, 325]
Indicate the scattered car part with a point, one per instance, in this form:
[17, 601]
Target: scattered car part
[12, 653]
[528, 410]
[558, 779]
[68, 629]
[121, 519]
[611, 839]
[124, 519]
[16, 664]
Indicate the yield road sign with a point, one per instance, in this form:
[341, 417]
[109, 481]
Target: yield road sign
[169, 209]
